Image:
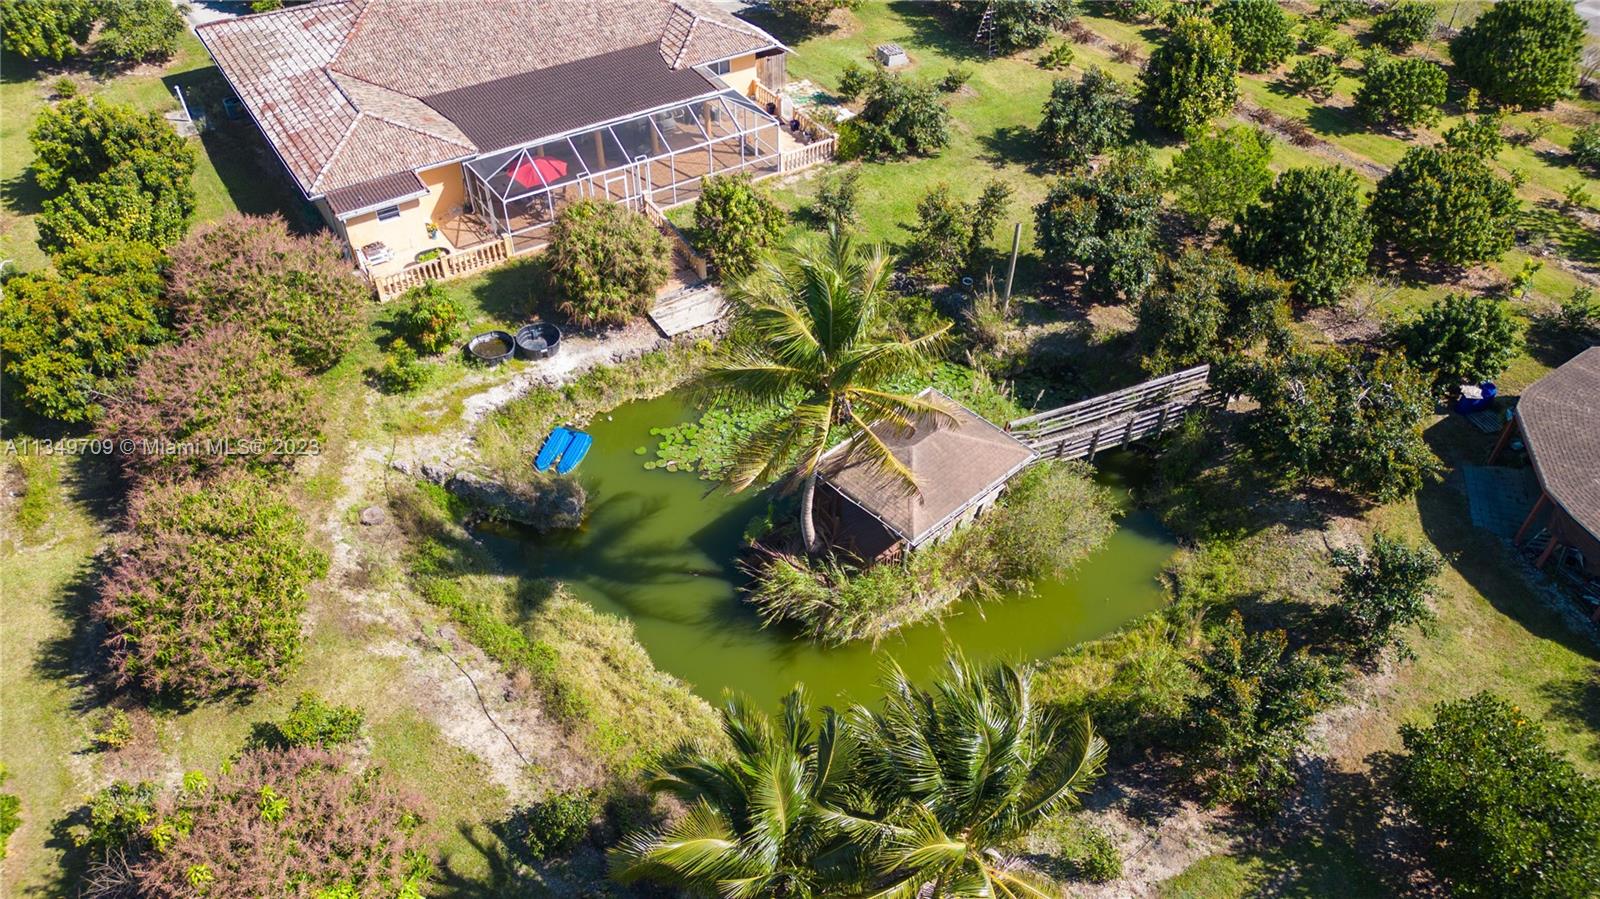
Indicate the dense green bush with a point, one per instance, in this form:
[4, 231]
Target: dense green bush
[556, 825]
[1219, 175]
[1403, 24]
[65, 336]
[1086, 117]
[1016, 24]
[1383, 589]
[115, 816]
[1479, 135]
[900, 117]
[400, 371]
[1259, 29]
[735, 223]
[1205, 307]
[837, 196]
[1357, 423]
[1507, 816]
[1445, 206]
[312, 721]
[1314, 76]
[1311, 229]
[1192, 77]
[1255, 702]
[1406, 92]
[83, 138]
[1461, 339]
[1105, 222]
[853, 82]
[139, 30]
[1521, 52]
[221, 400]
[315, 821]
[809, 14]
[430, 318]
[45, 29]
[207, 594]
[297, 290]
[146, 200]
[607, 261]
[1585, 147]
[949, 236]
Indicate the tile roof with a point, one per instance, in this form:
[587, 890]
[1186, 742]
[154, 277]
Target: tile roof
[518, 108]
[1560, 416]
[338, 86]
[376, 192]
[955, 466]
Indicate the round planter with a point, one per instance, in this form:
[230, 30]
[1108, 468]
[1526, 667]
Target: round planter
[538, 341]
[491, 347]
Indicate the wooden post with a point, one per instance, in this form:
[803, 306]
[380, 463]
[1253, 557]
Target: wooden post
[1094, 442]
[1504, 441]
[1533, 515]
[1011, 272]
[1548, 552]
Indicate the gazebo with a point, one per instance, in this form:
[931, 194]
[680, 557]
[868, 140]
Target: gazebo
[960, 466]
[1558, 418]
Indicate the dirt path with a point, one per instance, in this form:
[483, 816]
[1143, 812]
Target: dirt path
[448, 680]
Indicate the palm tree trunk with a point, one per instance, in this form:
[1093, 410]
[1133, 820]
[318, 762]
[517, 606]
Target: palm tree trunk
[808, 521]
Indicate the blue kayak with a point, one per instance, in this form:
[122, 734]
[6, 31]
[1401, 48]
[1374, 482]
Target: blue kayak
[554, 446]
[574, 453]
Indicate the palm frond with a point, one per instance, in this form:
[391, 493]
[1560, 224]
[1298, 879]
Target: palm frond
[699, 847]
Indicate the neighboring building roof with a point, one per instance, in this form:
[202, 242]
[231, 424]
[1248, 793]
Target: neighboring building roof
[519, 108]
[955, 465]
[338, 87]
[1560, 417]
[375, 193]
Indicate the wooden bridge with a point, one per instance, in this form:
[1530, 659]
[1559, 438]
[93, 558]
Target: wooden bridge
[1080, 430]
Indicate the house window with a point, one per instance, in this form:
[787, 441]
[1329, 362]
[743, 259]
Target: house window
[388, 212]
[721, 68]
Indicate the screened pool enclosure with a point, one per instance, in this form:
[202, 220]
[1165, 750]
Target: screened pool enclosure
[658, 155]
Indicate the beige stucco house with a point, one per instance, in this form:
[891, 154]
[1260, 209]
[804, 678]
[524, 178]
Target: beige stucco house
[419, 127]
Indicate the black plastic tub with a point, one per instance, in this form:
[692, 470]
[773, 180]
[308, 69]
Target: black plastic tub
[491, 347]
[538, 341]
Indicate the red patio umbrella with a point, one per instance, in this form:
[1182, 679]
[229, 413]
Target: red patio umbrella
[524, 170]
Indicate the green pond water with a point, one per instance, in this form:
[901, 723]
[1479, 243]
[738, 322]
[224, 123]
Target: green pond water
[660, 547]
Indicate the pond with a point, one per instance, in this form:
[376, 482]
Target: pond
[660, 548]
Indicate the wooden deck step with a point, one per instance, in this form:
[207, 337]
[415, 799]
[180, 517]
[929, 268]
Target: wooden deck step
[688, 309]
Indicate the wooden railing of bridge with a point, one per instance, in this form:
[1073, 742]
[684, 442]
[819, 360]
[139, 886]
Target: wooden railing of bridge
[1080, 430]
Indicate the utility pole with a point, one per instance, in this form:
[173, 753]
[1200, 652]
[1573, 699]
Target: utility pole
[1016, 243]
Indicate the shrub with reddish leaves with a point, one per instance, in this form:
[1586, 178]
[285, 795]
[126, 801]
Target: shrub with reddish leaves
[225, 399]
[207, 593]
[297, 822]
[300, 291]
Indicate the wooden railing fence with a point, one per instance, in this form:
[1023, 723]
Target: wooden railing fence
[818, 151]
[1080, 430]
[444, 268]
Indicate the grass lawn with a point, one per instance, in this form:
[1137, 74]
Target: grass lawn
[235, 168]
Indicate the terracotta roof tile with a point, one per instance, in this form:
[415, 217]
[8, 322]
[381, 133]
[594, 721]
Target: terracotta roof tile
[336, 86]
[955, 466]
[1560, 416]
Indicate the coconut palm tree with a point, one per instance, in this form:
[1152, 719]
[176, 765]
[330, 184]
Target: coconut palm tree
[959, 771]
[754, 827]
[808, 331]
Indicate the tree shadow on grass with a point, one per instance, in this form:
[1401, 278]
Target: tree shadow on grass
[1491, 568]
[1335, 122]
[1576, 702]
[1017, 145]
[1546, 221]
[934, 29]
[1553, 346]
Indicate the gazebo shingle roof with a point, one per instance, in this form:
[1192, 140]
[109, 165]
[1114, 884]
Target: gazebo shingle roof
[337, 87]
[1560, 417]
[954, 465]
